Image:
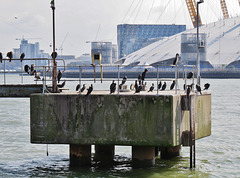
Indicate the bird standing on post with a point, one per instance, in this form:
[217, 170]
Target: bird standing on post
[172, 85]
[10, 55]
[159, 85]
[22, 56]
[198, 88]
[206, 86]
[190, 75]
[113, 87]
[164, 86]
[144, 75]
[151, 88]
[176, 60]
[59, 76]
[89, 90]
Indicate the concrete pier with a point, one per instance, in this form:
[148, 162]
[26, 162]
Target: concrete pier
[80, 155]
[144, 121]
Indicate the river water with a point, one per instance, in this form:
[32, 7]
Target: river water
[216, 156]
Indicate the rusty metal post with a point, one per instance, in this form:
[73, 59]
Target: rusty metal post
[54, 78]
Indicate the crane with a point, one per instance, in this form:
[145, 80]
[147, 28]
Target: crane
[60, 48]
[192, 9]
[224, 9]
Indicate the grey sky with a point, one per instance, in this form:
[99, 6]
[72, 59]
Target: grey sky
[81, 19]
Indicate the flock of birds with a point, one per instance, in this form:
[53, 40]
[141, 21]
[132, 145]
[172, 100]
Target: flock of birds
[140, 85]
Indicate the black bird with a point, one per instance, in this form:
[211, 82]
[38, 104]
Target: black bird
[151, 88]
[83, 88]
[62, 85]
[144, 75]
[138, 89]
[190, 75]
[164, 86]
[198, 88]
[184, 86]
[54, 55]
[1, 57]
[22, 56]
[32, 69]
[172, 85]
[160, 85]
[77, 87]
[136, 85]
[10, 55]
[206, 86]
[124, 80]
[176, 59]
[139, 79]
[27, 68]
[112, 87]
[59, 76]
[89, 90]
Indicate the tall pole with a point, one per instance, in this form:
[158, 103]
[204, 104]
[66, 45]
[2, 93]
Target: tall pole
[198, 56]
[54, 78]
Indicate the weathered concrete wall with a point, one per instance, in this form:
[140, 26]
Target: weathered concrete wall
[19, 90]
[146, 120]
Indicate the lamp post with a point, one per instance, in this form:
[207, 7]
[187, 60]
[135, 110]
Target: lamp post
[54, 80]
[198, 57]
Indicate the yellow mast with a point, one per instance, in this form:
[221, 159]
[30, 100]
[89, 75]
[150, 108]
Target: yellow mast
[192, 9]
[224, 9]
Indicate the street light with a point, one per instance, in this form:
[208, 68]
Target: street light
[198, 58]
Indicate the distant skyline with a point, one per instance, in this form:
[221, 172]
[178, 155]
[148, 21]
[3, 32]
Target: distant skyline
[82, 19]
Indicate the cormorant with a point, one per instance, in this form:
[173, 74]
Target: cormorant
[190, 75]
[77, 87]
[139, 79]
[151, 88]
[59, 76]
[188, 92]
[139, 89]
[206, 86]
[89, 90]
[136, 86]
[54, 55]
[32, 69]
[22, 56]
[37, 75]
[83, 88]
[175, 60]
[172, 85]
[184, 86]
[164, 86]
[26, 68]
[112, 87]
[159, 85]
[198, 87]
[123, 81]
[10, 55]
[144, 75]
[62, 85]
[1, 57]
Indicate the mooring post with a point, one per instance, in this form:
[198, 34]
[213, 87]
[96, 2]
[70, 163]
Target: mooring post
[143, 156]
[170, 152]
[80, 155]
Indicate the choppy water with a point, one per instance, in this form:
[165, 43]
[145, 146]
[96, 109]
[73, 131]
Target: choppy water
[217, 155]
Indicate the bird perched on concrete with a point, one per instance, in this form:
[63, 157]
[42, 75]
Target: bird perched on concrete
[83, 88]
[184, 86]
[151, 88]
[10, 55]
[1, 57]
[172, 85]
[139, 79]
[206, 86]
[176, 59]
[188, 92]
[37, 75]
[164, 86]
[89, 90]
[59, 76]
[32, 69]
[77, 87]
[190, 75]
[136, 85]
[198, 87]
[22, 56]
[62, 84]
[27, 68]
[112, 87]
[159, 85]
[139, 88]
[123, 82]
[144, 75]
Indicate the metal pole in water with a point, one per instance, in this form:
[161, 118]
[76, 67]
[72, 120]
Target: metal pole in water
[4, 72]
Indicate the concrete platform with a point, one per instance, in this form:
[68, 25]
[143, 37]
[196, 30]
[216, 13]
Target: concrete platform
[144, 119]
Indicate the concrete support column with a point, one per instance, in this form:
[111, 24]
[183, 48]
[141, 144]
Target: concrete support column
[80, 155]
[104, 154]
[170, 152]
[143, 156]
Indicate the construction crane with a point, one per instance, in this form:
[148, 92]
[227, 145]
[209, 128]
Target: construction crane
[224, 9]
[192, 9]
[60, 48]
